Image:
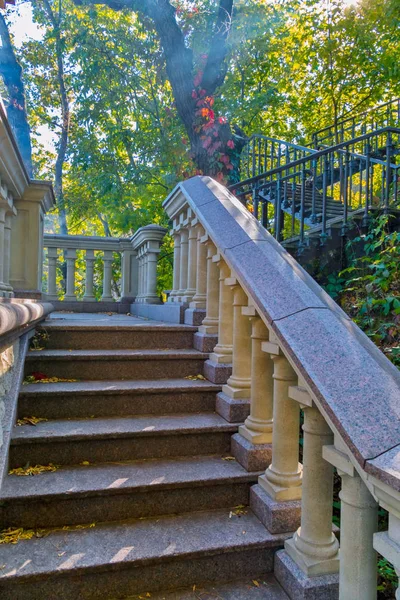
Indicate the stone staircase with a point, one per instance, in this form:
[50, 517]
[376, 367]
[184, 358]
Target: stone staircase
[143, 499]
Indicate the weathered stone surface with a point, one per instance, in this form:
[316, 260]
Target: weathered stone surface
[234, 411]
[349, 376]
[278, 517]
[300, 587]
[217, 372]
[113, 398]
[194, 316]
[169, 551]
[204, 342]
[386, 467]
[264, 587]
[17, 313]
[253, 457]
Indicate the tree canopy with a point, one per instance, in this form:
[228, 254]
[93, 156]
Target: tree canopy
[139, 95]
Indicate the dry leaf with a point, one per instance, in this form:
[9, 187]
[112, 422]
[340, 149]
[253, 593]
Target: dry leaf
[196, 377]
[229, 458]
[30, 421]
[30, 379]
[256, 583]
[36, 470]
[85, 463]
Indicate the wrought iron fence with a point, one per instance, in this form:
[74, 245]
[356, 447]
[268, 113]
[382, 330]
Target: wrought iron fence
[332, 185]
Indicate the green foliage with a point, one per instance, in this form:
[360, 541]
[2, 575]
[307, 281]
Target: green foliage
[369, 290]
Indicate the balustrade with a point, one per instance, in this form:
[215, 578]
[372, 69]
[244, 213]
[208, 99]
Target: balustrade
[136, 280]
[273, 376]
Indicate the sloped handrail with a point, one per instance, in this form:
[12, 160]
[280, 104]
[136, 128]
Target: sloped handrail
[348, 390]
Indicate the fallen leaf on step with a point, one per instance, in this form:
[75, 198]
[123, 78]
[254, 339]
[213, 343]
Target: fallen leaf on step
[61, 553]
[2, 567]
[256, 583]
[85, 463]
[36, 470]
[32, 379]
[229, 458]
[13, 536]
[30, 421]
[238, 511]
[195, 377]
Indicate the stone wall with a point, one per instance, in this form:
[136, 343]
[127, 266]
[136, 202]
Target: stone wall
[8, 358]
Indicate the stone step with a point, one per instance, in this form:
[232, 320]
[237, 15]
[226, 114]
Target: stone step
[142, 556]
[119, 491]
[116, 337]
[265, 587]
[111, 398]
[115, 364]
[68, 442]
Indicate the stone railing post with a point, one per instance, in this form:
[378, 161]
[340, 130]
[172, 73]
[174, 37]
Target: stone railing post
[107, 276]
[252, 445]
[52, 255]
[183, 263]
[89, 262]
[7, 250]
[173, 297]
[210, 323]
[70, 295]
[147, 243]
[2, 228]
[129, 271]
[314, 547]
[233, 403]
[191, 265]
[387, 543]
[358, 523]
[200, 297]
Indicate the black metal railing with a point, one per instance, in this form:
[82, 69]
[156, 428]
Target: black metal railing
[378, 117]
[302, 197]
[262, 154]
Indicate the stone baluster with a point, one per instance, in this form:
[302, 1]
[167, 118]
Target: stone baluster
[7, 251]
[70, 257]
[358, 523]
[191, 265]
[210, 323]
[222, 352]
[107, 275]
[183, 274]
[52, 255]
[200, 298]
[153, 250]
[174, 295]
[129, 269]
[233, 403]
[89, 292]
[387, 542]
[252, 445]
[2, 227]
[140, 275]
[239, 383]
[314, 548]
[282, 479]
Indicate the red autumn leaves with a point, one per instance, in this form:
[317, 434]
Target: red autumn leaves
[209, 126]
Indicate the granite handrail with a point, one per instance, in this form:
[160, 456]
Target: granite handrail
[332, 370]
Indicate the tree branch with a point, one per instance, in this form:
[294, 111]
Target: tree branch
[216, 67]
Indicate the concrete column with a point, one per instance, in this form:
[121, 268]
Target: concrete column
[52, 255]
[282, 479]
[200, 298]
[314, 547]
[89, 262]
[151, 270]
[2, 225]
[107, 274]
[387, 543]
[210, 323]
[174, 296]
[7, 251]
[129, 272]
[257, 428]
[239, 384]
[183, 274]
[358, 523]
[222, 352]
[70, 295]
[192, 262]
